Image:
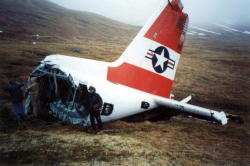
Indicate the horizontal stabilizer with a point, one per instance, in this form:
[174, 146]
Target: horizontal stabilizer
[191, 109]
[220, 116]
[187, 99]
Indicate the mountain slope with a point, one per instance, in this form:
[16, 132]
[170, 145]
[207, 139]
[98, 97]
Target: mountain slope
[30, 17]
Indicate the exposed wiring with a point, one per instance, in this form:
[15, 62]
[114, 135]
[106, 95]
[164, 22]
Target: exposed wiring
[53, 89]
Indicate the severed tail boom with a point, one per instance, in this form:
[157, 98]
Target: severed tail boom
[191, 109]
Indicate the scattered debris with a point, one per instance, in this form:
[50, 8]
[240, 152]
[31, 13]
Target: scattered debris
[235, 118]
[78, 50]
[31, 42]
[90, 53]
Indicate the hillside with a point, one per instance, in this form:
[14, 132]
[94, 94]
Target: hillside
[31, 17]
[61, 31]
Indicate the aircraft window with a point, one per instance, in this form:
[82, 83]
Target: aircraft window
[107, 109]
[145, 104]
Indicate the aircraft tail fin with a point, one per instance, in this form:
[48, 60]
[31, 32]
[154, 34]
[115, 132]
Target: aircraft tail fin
[150, 61]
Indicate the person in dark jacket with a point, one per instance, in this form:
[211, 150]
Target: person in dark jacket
[94, 107]
[15, 91]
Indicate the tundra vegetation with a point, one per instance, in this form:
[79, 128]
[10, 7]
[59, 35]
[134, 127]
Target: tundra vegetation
[213, 67]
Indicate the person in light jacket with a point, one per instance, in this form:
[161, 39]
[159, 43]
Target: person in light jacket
[34, 88]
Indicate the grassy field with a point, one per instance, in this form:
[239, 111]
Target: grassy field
[215, 68]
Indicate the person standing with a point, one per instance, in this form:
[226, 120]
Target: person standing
[15, 91]
[95, 105]
[34, 87]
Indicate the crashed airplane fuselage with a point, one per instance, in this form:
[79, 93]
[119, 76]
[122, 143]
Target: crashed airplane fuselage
[140, 80]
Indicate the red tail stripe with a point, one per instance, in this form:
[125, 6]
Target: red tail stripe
[150, 54]
[171, 63]
[140, 79]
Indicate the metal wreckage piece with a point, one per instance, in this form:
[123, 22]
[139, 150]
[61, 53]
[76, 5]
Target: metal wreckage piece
[59, 94]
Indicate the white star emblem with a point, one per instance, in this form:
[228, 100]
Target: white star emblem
[160, 60]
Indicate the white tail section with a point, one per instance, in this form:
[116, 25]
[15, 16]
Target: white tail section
[150, 61]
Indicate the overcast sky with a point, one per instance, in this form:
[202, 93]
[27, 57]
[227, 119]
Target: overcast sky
[137, 12]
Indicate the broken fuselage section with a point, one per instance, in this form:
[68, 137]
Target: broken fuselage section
[60, 96]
